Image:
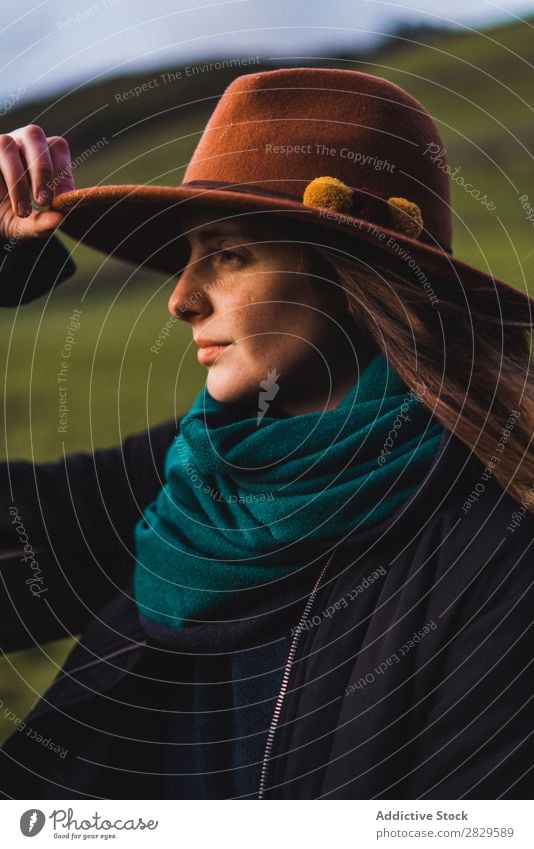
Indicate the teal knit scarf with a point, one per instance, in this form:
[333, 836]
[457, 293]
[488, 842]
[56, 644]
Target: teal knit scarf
[246, 500]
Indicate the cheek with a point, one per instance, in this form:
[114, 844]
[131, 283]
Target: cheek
[273, 313]
[286, 344]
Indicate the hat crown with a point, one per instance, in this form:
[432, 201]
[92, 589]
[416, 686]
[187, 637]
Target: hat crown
[275, 131]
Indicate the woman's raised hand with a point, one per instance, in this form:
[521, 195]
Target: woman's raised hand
[32, 164]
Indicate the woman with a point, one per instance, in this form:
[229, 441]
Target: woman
[318, 582]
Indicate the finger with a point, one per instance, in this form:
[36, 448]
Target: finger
[62, 181]
[13, 172]
[34, 148]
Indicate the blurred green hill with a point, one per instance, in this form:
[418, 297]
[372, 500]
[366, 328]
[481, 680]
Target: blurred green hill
[477, 85]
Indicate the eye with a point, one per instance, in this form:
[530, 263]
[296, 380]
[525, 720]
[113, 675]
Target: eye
[227, 255]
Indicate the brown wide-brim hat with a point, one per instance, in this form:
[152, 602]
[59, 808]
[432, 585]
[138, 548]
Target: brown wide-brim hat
[341, 152]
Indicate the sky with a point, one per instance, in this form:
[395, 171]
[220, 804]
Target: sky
[48, 46]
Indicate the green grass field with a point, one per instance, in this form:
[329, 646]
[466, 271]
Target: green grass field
[116, 385]
[479, 89]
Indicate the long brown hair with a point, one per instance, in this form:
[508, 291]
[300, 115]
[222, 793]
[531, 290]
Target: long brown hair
[470, 348]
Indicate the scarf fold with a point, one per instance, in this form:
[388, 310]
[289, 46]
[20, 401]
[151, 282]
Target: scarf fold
[247, 500]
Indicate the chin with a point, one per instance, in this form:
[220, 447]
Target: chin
[230, 385]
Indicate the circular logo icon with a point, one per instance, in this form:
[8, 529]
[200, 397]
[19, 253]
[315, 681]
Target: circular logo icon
[31, 822]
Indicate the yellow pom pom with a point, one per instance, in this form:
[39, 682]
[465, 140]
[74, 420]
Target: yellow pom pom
[328, 192]
[405, 217]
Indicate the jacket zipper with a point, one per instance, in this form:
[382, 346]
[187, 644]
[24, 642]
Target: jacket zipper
[285, 679]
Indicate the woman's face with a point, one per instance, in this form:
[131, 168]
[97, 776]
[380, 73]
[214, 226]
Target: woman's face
[262, 320]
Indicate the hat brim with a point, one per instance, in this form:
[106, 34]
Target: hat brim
[145, 225]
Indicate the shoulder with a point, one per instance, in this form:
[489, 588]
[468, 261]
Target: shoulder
[138, 459]
[492, 514]
[150, 445]
[468, 502]
[483, 538]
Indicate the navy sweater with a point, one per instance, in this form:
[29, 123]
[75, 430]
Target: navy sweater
[218, 709]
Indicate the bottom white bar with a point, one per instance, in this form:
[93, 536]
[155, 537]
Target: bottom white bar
[282, 824]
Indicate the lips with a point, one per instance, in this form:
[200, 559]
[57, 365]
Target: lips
[207, 354]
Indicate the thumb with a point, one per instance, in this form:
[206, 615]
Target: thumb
[39, 224]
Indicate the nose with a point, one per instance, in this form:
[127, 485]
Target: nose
[189, 296]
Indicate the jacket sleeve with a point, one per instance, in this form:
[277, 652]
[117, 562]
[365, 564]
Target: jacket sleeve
[66, 534]
[31, 267]
[478, 737]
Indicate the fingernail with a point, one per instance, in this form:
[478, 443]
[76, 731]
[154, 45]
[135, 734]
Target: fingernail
[42, 196]
[23, 210]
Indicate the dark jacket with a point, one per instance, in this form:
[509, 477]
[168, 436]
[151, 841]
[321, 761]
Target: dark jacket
[409, 677]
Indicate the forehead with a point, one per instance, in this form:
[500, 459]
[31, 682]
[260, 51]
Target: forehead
[205, 225]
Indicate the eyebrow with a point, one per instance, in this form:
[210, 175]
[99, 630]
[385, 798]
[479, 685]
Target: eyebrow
[214, 232]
